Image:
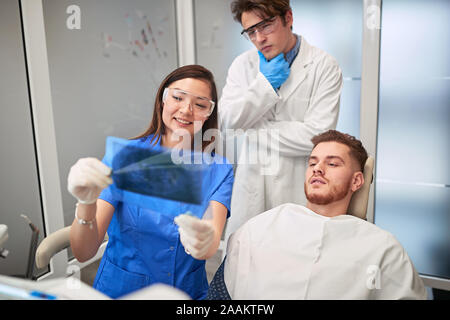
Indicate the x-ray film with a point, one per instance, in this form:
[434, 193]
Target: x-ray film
[139, 172]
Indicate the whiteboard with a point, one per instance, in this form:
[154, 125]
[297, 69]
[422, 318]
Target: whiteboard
[106, 61]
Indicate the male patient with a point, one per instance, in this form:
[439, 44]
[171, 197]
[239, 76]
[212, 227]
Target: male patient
[318, 251]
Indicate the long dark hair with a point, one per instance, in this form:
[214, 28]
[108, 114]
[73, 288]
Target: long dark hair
[157, 127]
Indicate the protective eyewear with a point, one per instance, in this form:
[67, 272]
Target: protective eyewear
[199, 106]
[264, 27]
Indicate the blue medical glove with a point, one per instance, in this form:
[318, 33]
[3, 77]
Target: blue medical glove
[276, 70]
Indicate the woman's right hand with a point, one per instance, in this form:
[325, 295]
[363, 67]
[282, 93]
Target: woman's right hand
[87, 178]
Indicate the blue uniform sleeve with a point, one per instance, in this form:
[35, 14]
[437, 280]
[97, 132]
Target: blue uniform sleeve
[222, 194]
[106, 194]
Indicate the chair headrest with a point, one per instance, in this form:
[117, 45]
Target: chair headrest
[360, 199]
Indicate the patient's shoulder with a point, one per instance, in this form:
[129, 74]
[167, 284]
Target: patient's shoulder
[384, 239]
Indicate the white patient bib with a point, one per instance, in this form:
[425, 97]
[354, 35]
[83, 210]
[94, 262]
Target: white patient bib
[290, 252]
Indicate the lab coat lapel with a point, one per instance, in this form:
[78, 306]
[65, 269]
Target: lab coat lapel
[299, 70]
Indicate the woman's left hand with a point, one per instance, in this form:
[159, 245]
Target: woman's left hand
[196, 235]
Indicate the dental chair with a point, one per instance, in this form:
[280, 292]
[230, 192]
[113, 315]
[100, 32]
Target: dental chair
[13, 288]
[52, 244]
[360, 199]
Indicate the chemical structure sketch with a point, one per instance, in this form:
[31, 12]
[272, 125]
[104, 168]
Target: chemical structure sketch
[142, 38]
[137, 47]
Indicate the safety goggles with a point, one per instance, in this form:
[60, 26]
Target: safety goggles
[199, 106]
[264, 27]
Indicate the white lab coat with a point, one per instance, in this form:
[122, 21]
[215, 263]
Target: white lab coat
[306, 104]
[290, 252]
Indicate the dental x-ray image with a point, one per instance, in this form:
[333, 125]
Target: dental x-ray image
[141, 172]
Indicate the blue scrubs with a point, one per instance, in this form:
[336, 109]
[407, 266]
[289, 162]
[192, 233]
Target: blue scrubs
[144, 244]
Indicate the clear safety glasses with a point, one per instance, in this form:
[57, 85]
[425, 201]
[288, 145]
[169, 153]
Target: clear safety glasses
[199, 106]
[264, 27]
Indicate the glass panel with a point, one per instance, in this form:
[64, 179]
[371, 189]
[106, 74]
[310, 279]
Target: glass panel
[348, 120]
[334, 26]
[104, 76]
[19, 185]
[218, 39]
[412, 195]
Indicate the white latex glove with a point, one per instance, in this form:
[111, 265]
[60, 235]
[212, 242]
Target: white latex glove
[196, 235]
[87, 178]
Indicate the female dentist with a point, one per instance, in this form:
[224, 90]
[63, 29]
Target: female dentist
[147, 246]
